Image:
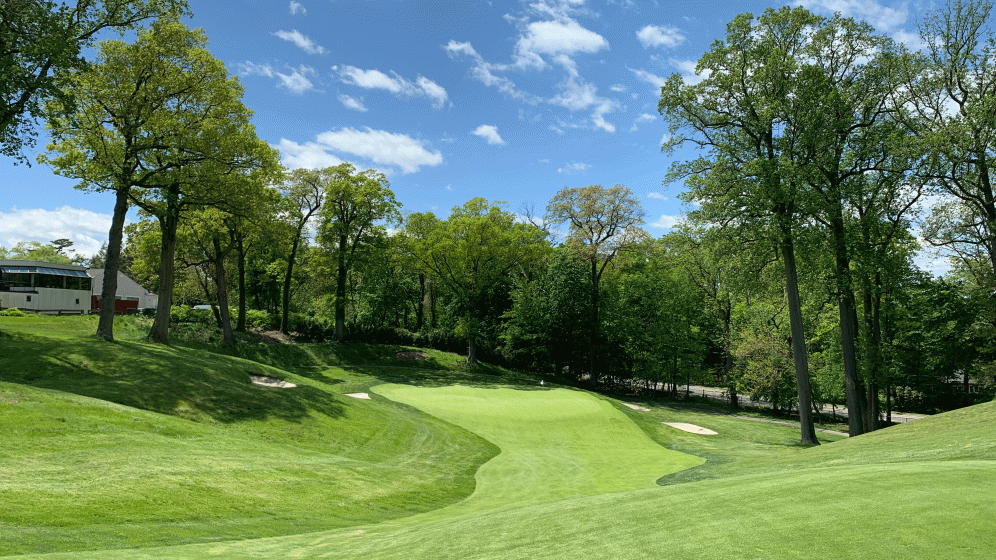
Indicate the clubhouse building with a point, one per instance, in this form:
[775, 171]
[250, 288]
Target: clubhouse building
[44, 287]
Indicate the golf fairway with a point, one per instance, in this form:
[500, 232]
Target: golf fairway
[575, 479]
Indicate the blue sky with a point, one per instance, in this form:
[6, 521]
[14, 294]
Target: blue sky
[509, 100]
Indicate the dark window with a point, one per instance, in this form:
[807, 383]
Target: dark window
[29, 298]
[77, 301]
[18, 280]
[49, 281]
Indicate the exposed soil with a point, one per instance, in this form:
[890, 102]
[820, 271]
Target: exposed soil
[411, 356]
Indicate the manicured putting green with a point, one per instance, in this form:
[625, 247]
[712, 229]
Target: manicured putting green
[554, 443]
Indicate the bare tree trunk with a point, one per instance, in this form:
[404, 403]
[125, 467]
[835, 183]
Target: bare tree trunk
[848, 320]
[799, 351]
[105, 324]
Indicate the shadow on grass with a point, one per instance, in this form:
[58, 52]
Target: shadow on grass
[163, 379]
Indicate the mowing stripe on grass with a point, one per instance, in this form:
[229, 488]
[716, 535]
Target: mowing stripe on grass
[554, 443]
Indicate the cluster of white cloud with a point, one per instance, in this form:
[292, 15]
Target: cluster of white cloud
[375, 79]
[657, 196]
[573, 168]
[489, 133]
[666, 222]
[85, 228]
[297, 8]
[549, 35]
[353, 103]
[883, 18]
[302, 41]
[378, 146]
[656, 36]
[644, 117]
[296, 81]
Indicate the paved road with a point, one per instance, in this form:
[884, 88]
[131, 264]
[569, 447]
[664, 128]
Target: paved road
[721, 394]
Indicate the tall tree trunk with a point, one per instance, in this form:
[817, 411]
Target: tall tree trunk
[167, 273]
[731, 383]
[420, 308]
[227, 336]
[108, 291]
[471, 351]
[848, 320]
[240, 325]
[340, 292]
[799, 353]
[285, 309]
[594, 340]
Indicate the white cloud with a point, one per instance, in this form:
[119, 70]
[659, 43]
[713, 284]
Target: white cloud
[572, 168]
[666, 222]
[382, 147]
[484, 72]
[302, 41]
[433, 91]
[657, 196]
[375, 79]
[85, 228]
[308, 155]
[489, 133]
[656, 36]
[618, 88]
[562, 37]
[297, 8]
[252, 69]
[353, 103]
[688, 73]
[880, 17]
[296, 82]
[576, 94]
[644, 117]
[652, 79]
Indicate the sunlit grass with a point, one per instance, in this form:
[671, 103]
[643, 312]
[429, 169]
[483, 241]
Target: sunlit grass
[441, 465]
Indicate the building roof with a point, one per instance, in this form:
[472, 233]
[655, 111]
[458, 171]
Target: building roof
[34, 266]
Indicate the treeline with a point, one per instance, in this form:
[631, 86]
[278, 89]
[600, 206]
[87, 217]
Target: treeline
[826, 149]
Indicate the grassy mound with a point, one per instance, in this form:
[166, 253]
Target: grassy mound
[134, 444]
[546, 472]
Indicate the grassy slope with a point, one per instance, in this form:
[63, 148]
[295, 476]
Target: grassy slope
[923, 490]
[191, 451]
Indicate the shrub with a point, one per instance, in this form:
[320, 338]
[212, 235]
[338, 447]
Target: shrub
[257, 319]
[12, 312]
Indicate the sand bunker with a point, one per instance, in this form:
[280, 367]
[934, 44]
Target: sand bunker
[692, 428]
[637, 407]
[358, 395]
[267, 381]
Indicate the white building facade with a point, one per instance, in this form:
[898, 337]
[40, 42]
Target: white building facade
[44, 287]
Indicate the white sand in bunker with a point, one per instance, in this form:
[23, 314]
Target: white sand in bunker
[636, 407]
[358, 395]
[267, 381]
[692, 428]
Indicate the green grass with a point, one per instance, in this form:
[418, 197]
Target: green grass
[463, 466]
[132, 444]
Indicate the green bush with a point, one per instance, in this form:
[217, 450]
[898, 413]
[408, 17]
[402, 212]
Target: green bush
[12, 312]
[184, 314]
[261, 320]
